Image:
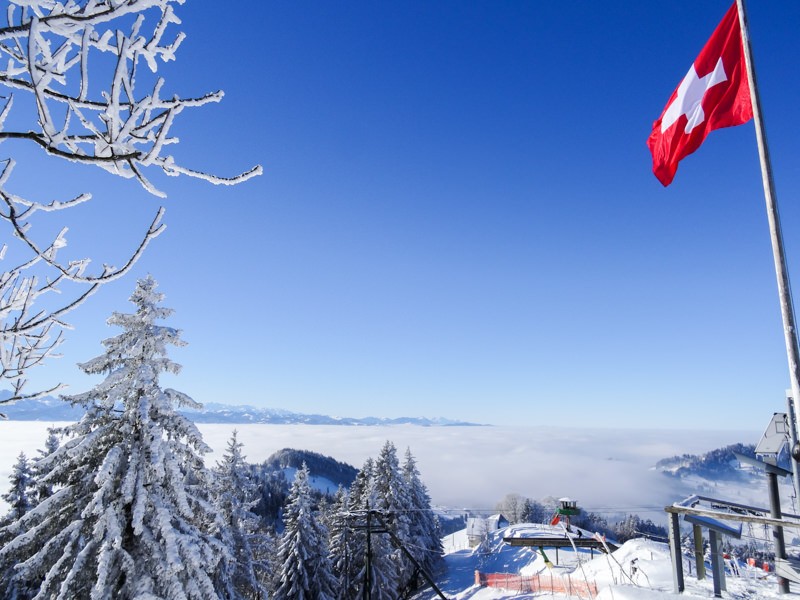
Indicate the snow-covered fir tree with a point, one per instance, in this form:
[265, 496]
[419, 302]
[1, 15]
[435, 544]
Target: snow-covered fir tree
[130, 516]
[425, 538]
[21, 493]
[372, 563]
[305, 568]
[21, 498]
[341, 532]
[348, 545]
[244, 572]
[44, 489]
[399, 497]
[390, 496]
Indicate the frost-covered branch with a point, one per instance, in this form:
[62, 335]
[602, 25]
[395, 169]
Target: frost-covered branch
[80, 80]
[28, 336]
[47, 46]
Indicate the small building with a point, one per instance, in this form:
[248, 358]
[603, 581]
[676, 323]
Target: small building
[479, 527]
[567, 507]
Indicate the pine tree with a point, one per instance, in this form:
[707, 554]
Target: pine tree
[384, 566]
[305, 568]
[533, 512]
[22, 488]
[44, 489]
[341, 534]
[130, 517]
[425, 539]
[390, 496]
[349, 538]
[19, 497]
[243, 574]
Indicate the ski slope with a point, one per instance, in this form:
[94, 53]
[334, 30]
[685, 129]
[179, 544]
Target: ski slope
[639, 570]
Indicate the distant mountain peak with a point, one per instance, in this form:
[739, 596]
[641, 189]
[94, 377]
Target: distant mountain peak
[54, 409]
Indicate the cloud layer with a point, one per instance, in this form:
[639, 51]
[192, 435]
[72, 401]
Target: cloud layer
[472, 467]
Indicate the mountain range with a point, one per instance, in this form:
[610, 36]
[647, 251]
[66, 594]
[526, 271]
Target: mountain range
[53, 409]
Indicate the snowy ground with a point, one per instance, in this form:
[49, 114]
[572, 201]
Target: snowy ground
[651, 580]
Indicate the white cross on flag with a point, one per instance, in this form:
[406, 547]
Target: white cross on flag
[714, 94]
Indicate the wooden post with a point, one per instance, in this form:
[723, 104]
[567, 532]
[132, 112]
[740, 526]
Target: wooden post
[699, 559]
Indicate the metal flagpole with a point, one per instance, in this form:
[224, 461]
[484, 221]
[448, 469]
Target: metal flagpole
[778, 255]
[792, 418]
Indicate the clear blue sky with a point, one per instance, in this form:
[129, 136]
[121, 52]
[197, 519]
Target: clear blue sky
[458, 217]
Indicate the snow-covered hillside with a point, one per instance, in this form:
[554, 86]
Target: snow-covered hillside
[639, 570]
[321, 484]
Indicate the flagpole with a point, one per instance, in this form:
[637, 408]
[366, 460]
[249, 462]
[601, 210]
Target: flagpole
[778, 254]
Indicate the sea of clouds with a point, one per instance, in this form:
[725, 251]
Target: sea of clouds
[607, 470]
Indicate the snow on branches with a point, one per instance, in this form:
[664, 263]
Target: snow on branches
[47, 47]
[71, 75]
[131, 515]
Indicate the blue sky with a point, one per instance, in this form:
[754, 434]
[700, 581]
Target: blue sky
[458, 218]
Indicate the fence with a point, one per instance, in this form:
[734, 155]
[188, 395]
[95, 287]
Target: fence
[537, 583]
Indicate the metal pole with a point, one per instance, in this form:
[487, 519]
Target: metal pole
[368, 570]
[791, 416]
[777, 530]
[778, 254]
[410, 557]
[717, 570]
[675, 552]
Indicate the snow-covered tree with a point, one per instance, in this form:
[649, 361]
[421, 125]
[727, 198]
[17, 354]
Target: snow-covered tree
[21, 494]
[425, 538]
[533, 511]
[305, 568]
[79, 80]
[383, 563]
[44, 489]
[383, 493]
[348, 536]
[21, 497]
[511, 507]
[130, 517]
[244, 572]
[390, 496]
[360, 488]
[341, 534]
[361, 558]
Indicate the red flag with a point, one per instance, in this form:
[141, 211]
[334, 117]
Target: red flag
[714, 94]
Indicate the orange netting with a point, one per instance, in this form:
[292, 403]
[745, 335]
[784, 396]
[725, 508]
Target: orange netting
[536, 583]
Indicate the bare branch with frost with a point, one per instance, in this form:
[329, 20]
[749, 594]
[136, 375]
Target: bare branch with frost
[83, 114]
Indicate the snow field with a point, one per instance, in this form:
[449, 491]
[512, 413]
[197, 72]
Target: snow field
[650, 580]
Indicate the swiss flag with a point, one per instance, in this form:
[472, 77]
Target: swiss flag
[714, 94]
